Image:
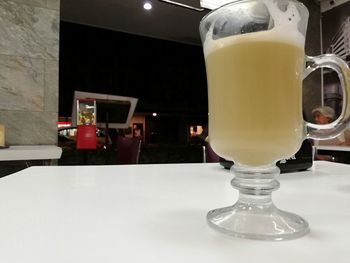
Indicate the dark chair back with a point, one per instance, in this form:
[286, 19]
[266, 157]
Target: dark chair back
[128, 150]
[209, 156]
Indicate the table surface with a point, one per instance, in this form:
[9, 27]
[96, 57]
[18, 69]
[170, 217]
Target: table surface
[333, 148]
[157, 213]
[30, 152]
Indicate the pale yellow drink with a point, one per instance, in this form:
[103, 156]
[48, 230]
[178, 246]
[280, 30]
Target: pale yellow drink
[255, 98]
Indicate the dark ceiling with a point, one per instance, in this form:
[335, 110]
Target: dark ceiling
[166, 76]
[164, 20]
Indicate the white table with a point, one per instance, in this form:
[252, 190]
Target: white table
[157, 213]
[30, 152]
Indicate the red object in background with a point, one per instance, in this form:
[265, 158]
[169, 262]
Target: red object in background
[86, 124]
[86, 137]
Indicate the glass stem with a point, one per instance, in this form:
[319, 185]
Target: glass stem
[254, 215]
[260, 181]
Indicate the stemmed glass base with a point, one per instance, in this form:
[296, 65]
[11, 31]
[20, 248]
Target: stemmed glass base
[254, 215]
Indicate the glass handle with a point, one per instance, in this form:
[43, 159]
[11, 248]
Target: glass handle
[331, 130]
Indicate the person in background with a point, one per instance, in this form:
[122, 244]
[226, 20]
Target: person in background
[325, 115]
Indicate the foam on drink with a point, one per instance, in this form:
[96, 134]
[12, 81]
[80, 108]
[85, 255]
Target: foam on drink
[285, 29]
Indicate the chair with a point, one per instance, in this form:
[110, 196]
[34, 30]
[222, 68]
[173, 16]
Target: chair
[128, 150]
[209, 156]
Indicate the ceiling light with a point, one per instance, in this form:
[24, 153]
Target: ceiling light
[212, 4]
[183, 5]
[147, 6]
[154, 114]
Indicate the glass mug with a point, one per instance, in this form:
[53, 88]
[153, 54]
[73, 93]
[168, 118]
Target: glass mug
[255, 63]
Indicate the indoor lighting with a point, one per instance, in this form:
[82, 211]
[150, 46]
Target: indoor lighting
[183, 5]
[147, 6]
[154, 114]
[212, 4]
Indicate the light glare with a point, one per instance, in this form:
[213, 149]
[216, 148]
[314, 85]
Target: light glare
[147, 6]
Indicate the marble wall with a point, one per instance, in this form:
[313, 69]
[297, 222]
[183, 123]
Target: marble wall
[29, 46]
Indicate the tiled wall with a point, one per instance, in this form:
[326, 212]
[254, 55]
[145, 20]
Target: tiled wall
[29, 44]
